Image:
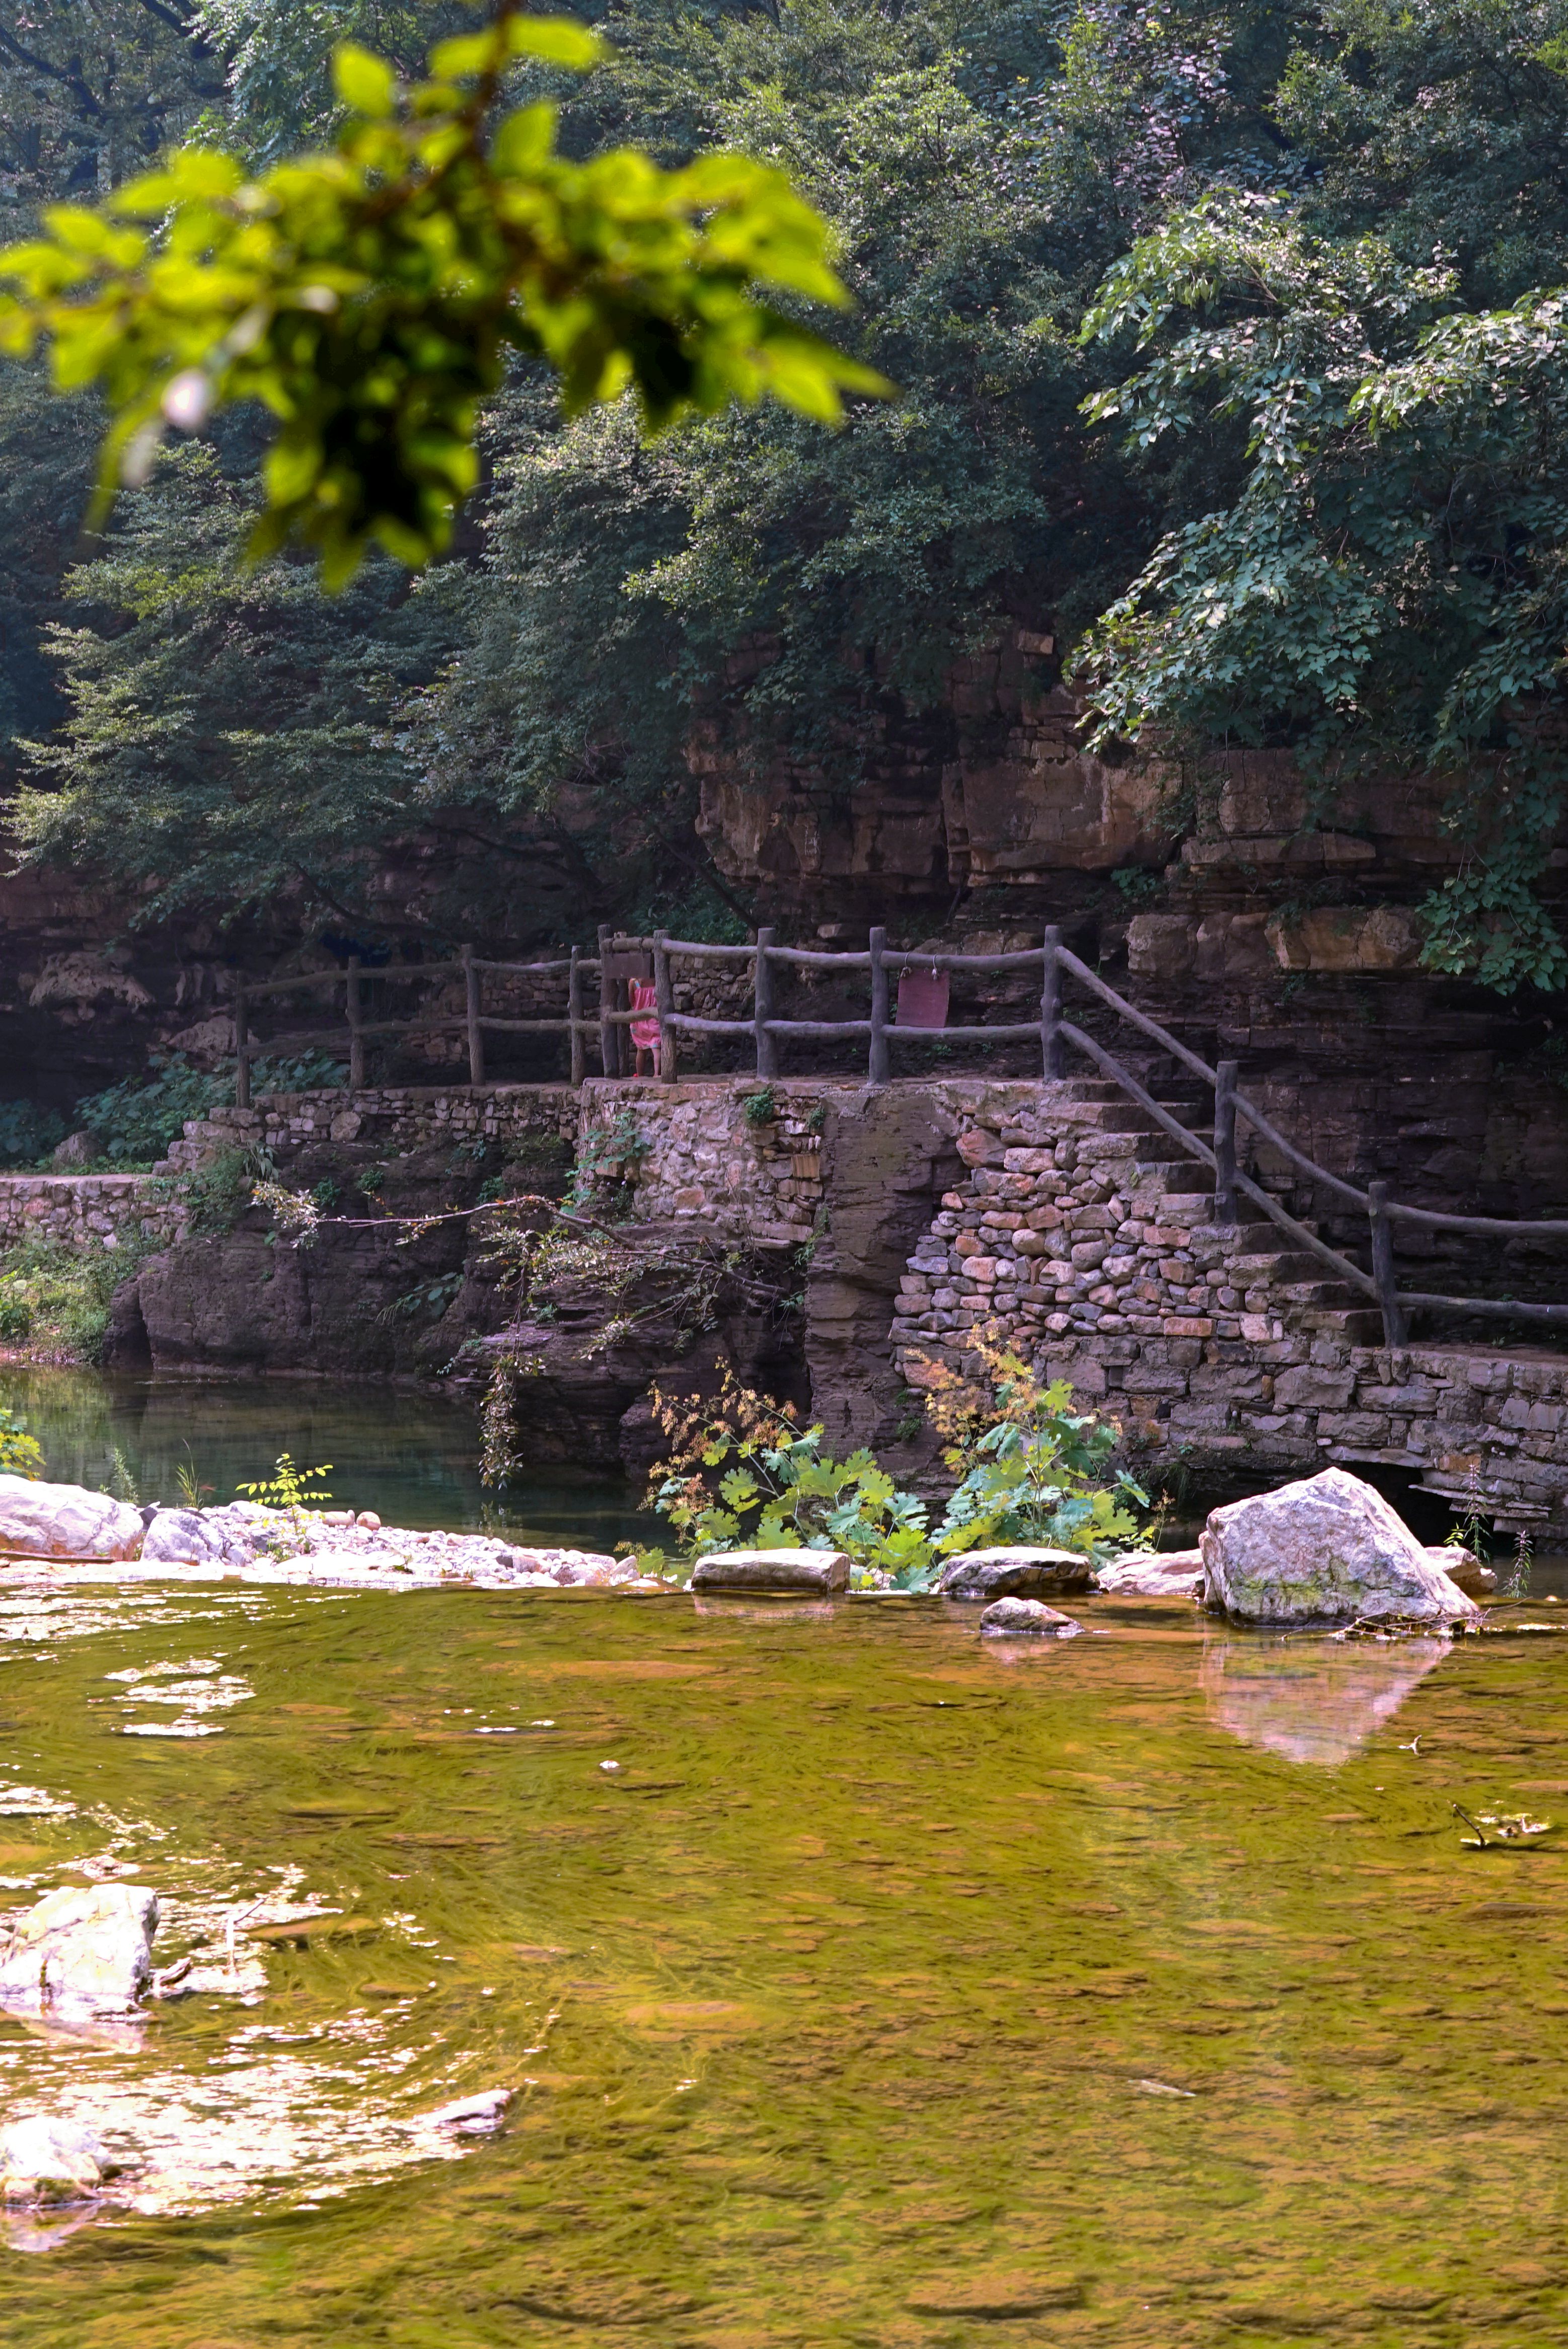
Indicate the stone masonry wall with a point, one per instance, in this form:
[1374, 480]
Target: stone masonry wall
[86, 1211]
[1070, 1242]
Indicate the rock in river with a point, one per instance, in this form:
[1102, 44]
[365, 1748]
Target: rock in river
[1153, 1573]
[1009, 1618]
[65, 1521]
[85, 1951]
[1328, 1549]
[44, 2160]
[1021, 1572]
[771, 1570]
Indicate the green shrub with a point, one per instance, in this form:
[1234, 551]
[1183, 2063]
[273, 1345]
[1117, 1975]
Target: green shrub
[21, 1455]
[28, 1132]
[742, 1470]
[141, 1117]
[15, 1315]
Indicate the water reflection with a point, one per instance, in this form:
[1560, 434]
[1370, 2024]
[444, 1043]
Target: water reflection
[1314, 1700]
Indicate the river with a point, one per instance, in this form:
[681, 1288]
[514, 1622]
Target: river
[897, 1988]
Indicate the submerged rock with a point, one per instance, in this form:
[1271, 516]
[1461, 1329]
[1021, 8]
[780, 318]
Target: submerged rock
[1328, 1549]
[1023, 1571]
[1028, 1618]
[86, 1950]
[772, 1569]
[65, 1521]
[46, 2160]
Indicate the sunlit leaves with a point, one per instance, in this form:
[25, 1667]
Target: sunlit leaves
[370, 297]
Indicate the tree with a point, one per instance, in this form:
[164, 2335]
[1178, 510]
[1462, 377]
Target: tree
[1384, 584]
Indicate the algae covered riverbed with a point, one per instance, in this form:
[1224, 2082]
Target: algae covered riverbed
[896, 1989]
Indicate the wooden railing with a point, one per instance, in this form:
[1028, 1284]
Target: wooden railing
[1048, 1031]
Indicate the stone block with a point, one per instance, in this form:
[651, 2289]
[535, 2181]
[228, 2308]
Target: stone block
[1187, 1325]
[743, 1570]
[1311, 1387]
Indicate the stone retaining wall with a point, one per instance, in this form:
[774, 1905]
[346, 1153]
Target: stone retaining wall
[1070, 1242]
[86, 1211]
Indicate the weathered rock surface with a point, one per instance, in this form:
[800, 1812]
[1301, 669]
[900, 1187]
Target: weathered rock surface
[772, 1569]
[1326, 1550]
[1463, 1566]
[84, 1951]
[1029, 1619]
[1152, 1574]
[1021, 1572]
[226, 1537]
[46, 2160]
[65, 1521]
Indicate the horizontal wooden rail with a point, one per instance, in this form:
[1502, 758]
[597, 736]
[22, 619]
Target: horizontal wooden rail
[608, 1021]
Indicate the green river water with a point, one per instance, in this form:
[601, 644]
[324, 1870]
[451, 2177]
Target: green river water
[898, 1988]
[850, 2009]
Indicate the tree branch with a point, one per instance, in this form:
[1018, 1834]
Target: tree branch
[72, 80]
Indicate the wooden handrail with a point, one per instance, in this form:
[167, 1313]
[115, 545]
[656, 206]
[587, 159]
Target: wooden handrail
[1054, 962]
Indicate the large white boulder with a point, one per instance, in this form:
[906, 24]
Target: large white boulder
[229, 1536]
[48, 2160]
[1328, 1549]
[65, 1521]
[84, 1951]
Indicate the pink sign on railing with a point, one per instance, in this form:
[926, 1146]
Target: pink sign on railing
[923, 999]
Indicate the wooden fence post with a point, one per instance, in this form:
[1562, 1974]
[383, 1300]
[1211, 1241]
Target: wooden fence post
[574, 1015]
[664, 1004]
[763, 1007]
[879, 1062]
[356, 1041]
[242, 1045]
[1225, 1143]
[609, 1052]
[1051, 1007]
[1396, 1331]
[470, 1007]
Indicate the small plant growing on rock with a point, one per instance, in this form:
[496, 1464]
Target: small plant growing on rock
[761, 1108]
[293, 1491]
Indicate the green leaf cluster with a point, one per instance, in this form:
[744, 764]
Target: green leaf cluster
[370, 297]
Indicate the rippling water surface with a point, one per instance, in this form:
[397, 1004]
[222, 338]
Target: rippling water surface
[896, 1989]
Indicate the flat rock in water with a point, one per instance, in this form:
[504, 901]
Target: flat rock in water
[772, 1569]
[1023, 1571]
[1028, 1618]
[85, 1951]
[473, 2115]
[44, 2160]
[1153, 1573]
[40, 1520]
[1328, 1549]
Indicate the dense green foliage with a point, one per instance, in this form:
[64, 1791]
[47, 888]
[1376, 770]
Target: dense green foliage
[1226, 346]
[1026, 1467]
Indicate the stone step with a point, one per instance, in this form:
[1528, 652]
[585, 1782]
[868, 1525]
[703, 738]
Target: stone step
[1315, 1292]
[1358, 1325]
[1276, 1264]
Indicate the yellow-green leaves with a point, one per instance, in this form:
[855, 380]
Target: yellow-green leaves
[370, 297]
[364, 82]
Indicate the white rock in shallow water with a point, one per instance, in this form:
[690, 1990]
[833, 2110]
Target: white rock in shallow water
[473, 2115]
[772, 1569]
[228, 1537]
[1020, 1571]
[1328, 1549]
[85, 1951]
[1030, 1619]
[44, 2160]
[1152, 1574]
[65, 1521]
